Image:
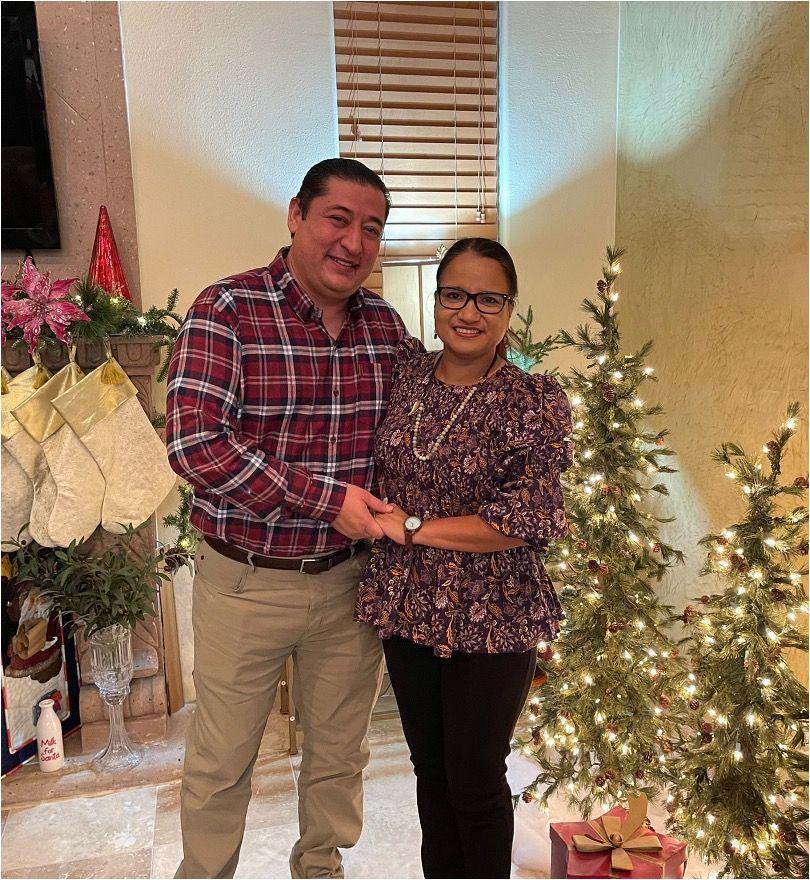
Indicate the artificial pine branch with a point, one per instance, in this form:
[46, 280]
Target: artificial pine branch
[187, 536]
[604, 724]
[523, 350]
[740, 780]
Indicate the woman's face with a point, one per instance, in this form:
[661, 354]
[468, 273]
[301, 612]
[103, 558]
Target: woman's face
[466, 332]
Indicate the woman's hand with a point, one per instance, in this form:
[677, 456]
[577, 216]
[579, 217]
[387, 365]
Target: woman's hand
[392, 524]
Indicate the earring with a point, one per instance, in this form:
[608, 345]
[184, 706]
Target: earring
[435, 335]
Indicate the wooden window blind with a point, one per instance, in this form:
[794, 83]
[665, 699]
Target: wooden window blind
[417, 103]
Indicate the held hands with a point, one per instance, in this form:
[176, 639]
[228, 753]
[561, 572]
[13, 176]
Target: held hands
[356, 518]
[392, 523]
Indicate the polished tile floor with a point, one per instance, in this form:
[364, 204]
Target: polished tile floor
[135, 832]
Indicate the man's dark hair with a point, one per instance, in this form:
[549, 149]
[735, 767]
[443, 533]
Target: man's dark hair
[317, 179]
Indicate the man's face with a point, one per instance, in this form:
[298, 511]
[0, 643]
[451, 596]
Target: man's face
[336, 244]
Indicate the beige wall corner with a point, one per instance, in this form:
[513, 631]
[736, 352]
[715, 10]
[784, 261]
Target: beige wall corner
[712, 207]
[557, 165]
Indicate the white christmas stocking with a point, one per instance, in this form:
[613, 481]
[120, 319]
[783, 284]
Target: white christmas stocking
[104, 411]
[79, 486]
[18, 490]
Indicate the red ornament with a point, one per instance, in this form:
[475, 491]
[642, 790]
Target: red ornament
[600, 781]
[106, 270]
[693, 704]
[610, 775]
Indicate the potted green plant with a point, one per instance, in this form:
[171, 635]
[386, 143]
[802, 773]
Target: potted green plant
[106, 593]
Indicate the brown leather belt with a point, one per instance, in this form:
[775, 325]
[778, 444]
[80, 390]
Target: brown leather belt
[304, 565]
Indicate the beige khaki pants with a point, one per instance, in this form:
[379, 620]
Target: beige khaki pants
[246, 623]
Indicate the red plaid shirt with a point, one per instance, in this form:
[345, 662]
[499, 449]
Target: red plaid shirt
[268, 417]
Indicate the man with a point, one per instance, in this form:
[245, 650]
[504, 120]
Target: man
[278, 380]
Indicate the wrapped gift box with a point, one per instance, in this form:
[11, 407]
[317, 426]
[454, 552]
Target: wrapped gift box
[567, 861]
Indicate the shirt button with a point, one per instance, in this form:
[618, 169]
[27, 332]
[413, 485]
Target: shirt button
[336, 393]
[333, 439]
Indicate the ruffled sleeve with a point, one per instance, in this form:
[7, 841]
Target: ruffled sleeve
[408, 350]
[529, 501]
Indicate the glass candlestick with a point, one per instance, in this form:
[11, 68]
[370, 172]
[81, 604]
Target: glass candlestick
[111, 668]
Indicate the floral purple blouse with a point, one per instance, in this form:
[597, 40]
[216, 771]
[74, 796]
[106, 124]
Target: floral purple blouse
[502, 460]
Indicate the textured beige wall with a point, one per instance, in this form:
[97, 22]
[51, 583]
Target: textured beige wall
[80, 51]
[557, 153]
[712, 206]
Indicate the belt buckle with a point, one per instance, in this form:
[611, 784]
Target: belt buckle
[304, 562]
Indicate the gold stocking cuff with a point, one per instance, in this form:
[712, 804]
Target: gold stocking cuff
[37, 414]
[20, 388]
[92, 400]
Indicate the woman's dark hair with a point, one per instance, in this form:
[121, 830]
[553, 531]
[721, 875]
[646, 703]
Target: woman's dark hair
[316, 181]
[491, 250]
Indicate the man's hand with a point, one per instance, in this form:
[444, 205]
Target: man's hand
[356, 517]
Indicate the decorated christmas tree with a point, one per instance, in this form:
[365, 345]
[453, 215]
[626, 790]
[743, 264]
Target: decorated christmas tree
[604, 724]
[740, 782]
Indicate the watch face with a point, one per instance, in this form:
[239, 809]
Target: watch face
[412, 523]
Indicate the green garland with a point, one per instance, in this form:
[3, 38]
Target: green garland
[187, 536]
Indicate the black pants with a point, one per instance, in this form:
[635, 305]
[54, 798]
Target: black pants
[458, 716]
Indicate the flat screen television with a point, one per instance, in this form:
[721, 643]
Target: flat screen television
[29, 215]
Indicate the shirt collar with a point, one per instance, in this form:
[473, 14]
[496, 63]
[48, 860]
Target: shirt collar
[284, 280]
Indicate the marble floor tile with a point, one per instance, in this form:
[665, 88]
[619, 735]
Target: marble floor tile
[388, 781]
[265, 854]
[167, 813]
[166, 858]
[120, 865]
[389, 845]
[79, 829]
[273, 800]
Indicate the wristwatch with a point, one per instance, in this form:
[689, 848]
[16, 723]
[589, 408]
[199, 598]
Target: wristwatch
[411, 526]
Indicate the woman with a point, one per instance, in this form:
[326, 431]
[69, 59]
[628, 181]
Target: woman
[470, 454]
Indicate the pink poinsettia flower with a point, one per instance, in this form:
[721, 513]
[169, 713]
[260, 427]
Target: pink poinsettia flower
[45, 303]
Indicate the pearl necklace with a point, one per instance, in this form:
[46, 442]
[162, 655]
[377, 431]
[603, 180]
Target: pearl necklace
[419, 408]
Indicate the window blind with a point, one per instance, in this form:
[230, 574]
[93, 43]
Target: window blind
[417, 103]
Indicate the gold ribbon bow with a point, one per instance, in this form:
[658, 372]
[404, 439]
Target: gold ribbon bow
[619, 836]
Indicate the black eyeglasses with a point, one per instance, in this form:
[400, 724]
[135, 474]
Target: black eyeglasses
[487, 303]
